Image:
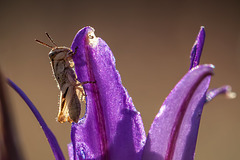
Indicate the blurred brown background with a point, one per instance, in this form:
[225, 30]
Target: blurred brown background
[151, 41]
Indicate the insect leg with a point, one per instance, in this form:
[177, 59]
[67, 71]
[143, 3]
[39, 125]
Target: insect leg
[71, 53]
[82, 83]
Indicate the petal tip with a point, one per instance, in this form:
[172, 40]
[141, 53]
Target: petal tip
[88, 29]
[230, 94]
[226, 90]
[209, 66]
[202, 31]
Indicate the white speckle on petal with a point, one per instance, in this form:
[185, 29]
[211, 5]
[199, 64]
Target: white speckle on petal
[93, 40]
[161, 110]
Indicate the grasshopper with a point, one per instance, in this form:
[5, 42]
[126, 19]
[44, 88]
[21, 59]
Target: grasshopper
[72, 94]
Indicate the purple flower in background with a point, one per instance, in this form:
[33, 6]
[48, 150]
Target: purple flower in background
[112, 128]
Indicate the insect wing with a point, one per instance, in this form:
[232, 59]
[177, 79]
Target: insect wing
[64, 104]
[75, 105]
[70, 104]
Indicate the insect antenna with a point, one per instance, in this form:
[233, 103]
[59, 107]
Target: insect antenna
[44, 44]
[51, 39]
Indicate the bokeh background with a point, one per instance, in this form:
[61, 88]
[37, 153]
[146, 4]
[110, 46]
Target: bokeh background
[151, 41]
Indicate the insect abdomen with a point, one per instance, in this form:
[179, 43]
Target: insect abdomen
[74, 108]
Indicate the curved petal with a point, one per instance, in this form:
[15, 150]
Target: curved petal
[9, 142]
[112, 128]
[227, 90]
[173, 133]
[50, 136]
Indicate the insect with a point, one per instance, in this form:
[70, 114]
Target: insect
[72, 94]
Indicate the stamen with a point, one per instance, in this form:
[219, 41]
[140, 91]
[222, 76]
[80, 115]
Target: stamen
[227, 90]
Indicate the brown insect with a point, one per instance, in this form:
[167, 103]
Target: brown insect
[72, 95]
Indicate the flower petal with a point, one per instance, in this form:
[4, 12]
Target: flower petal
[50, 136]
[227, 90]
[197, 48]
[9, 142]
[112, 128]
[173, 133]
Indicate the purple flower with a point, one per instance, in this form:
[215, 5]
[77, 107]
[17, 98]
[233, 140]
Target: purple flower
[112, 128]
